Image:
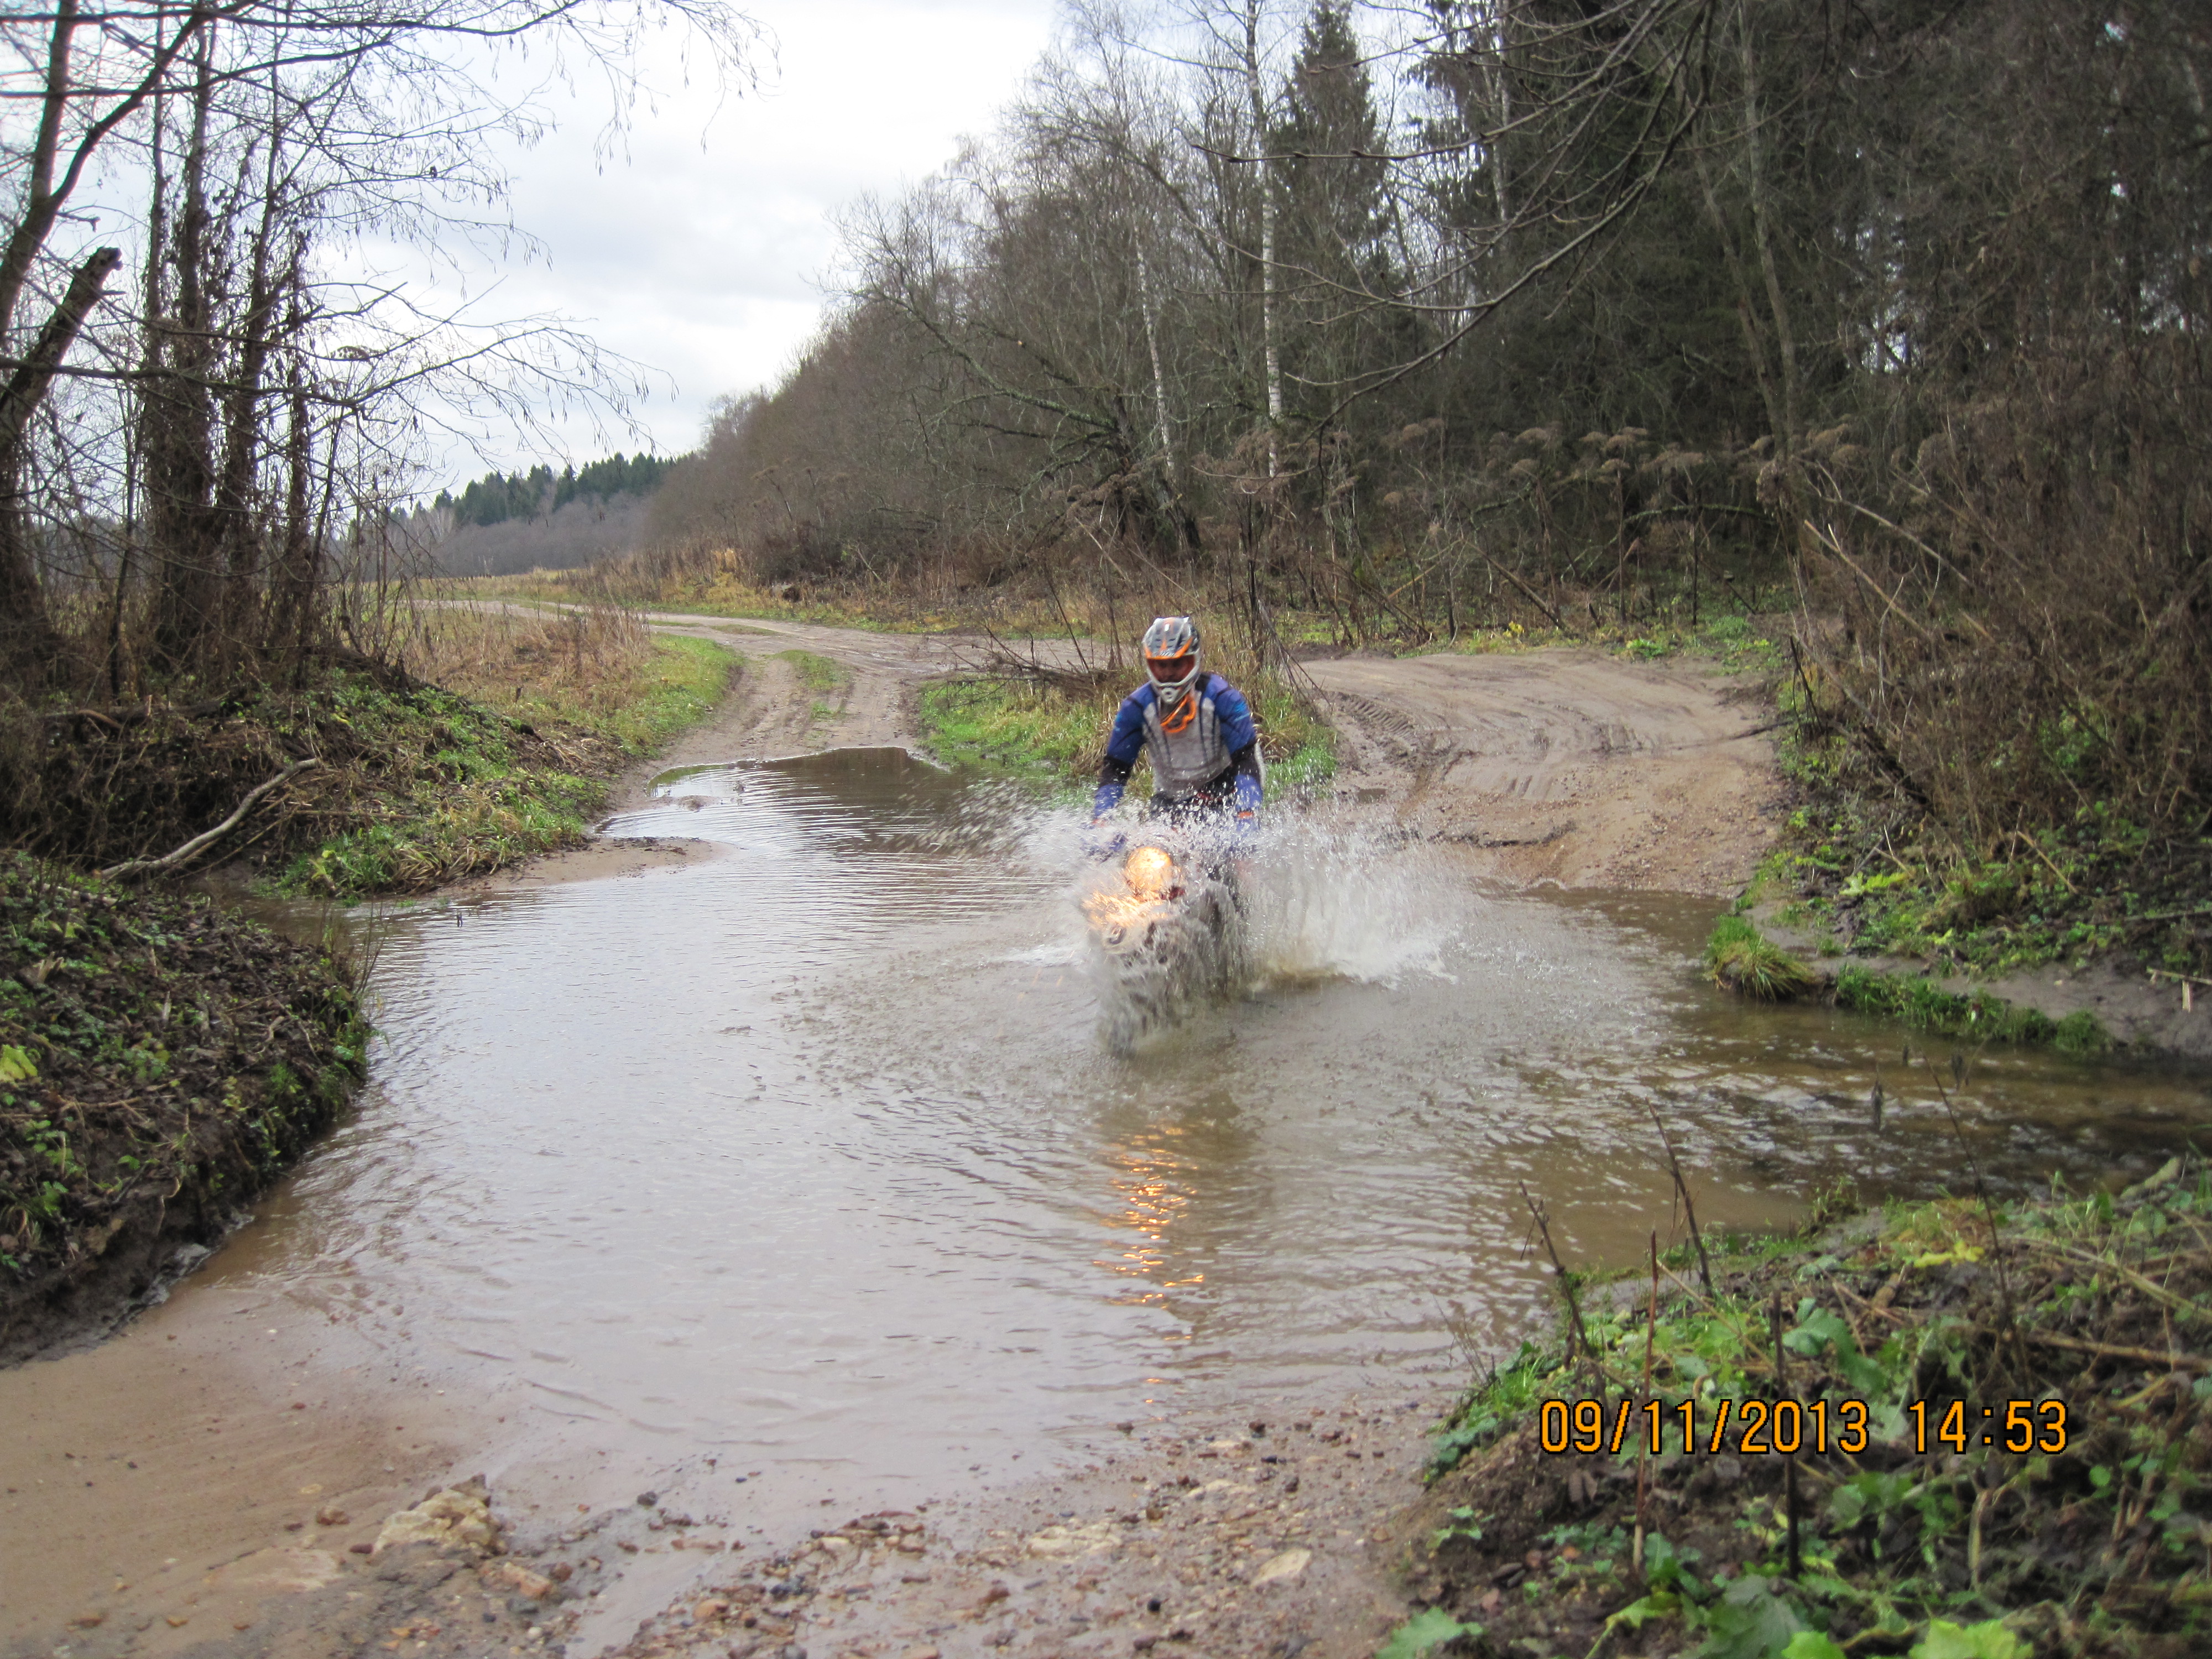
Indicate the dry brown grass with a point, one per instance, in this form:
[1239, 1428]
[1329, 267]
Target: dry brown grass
[579, 663]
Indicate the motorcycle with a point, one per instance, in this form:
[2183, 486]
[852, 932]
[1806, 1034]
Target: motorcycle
[1167, 935]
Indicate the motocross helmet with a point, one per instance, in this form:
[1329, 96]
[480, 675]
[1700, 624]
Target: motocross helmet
[1171, 652]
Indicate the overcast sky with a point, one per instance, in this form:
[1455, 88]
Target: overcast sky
[700, 253]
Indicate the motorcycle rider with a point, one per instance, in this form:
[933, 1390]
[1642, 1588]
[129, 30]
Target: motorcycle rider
[1204, 744]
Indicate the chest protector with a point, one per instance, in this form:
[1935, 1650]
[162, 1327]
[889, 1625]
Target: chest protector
[1186, 743]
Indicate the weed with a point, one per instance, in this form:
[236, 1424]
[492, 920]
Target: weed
[817, 673]
[1419, 1634]
[1742, 958]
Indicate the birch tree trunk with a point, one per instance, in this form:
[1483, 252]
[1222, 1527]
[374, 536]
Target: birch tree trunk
[1271, 352]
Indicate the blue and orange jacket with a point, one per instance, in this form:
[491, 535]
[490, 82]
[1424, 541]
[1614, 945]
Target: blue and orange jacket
[1206, 739]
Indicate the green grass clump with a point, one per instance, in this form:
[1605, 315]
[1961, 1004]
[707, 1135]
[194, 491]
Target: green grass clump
[817, 673]
[1001, 726]
[1006, 726]
[1743, 959]
[1976, 1015]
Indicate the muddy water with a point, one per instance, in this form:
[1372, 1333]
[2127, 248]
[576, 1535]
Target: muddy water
[809, 1158]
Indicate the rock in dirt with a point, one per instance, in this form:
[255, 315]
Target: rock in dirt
[1288, 1564]
[458, 1518]
[1086, 1538]
[513, 1575]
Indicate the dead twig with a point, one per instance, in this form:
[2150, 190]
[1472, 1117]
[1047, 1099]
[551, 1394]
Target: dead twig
[198, 844]
[1576, 1334]
[1682, 1191]
[2179, 1362]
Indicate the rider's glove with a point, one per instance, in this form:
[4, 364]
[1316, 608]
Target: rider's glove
[1247, 805]
[1108, 797]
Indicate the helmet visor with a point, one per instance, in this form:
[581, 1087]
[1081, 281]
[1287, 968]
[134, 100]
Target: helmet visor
[1171, 670]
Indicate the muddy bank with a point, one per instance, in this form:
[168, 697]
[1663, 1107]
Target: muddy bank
[1222, 1533]
[1227, 1534]
[160, 1064]
[2111, 1003]
[409, 786]
[209, 1466]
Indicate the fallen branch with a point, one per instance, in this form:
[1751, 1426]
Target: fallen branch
[1533, 597]
[2179, 1362]
[206, 838]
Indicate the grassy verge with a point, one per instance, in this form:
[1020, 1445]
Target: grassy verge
[468, 790]
[1739, 644]
[597, 670]
[1974, 1016]
[418, 784]
[2017, 1459]
[160, 1063]
[1739, 957]
[1864, 871]
[1058, 734]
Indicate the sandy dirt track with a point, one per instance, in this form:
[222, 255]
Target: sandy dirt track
[1558, 766]
[1564, 766]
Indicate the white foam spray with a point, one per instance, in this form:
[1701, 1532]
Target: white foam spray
[1336, 900]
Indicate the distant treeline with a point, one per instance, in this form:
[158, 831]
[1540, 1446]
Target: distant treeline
[499, 496]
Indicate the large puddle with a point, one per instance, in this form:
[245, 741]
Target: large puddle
[810, 1157]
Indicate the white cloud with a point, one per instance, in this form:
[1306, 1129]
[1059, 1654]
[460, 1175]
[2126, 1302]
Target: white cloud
[696, 248]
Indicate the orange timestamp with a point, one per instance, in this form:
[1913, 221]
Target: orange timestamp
[1752, 1428]
[1755, 1428]
[2019, 1427]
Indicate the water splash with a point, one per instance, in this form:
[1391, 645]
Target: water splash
[1307, 902]
[1325, 901]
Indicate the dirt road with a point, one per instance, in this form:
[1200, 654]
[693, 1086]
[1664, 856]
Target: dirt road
[1564, 766]
[1561, 766]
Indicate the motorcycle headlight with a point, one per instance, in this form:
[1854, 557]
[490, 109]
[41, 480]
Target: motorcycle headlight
[1149, 872]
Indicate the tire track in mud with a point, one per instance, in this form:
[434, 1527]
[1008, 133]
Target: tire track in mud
[1564, 765]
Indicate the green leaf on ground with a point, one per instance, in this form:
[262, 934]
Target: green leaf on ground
[1425, 1630]
[1988, 1640]
[1750, 1621]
